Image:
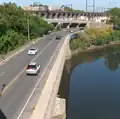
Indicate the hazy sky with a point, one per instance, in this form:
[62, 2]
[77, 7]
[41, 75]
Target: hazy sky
[77, 4]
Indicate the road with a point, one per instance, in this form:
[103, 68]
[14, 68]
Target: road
[19, 86]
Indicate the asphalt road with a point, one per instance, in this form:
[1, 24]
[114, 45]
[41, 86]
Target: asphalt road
[13, 75]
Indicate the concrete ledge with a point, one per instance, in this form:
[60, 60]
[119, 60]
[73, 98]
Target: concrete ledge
[60, 109]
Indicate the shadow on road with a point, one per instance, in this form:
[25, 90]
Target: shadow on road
[2, 116]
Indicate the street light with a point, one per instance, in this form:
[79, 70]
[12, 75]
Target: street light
[28, 27]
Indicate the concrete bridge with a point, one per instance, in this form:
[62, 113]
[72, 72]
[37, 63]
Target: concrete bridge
[70, 23]
[71, 19]
[63, 14]
[48, 105]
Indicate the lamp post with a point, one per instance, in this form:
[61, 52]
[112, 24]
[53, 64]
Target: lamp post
[28, 27]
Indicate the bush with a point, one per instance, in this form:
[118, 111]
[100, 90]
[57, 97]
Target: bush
[14, 27]
[99, 36]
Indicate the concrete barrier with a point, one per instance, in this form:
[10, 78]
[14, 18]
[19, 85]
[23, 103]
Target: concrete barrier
[46, 103]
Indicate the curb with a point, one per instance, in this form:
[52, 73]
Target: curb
[19, 51]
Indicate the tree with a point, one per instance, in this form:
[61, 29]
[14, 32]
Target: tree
[114, 16]
[14, 27]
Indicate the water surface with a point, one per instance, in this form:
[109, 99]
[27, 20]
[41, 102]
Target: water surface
[95, 85]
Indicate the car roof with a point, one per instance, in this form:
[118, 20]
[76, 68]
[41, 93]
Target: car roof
[33, 48]
[32, 63]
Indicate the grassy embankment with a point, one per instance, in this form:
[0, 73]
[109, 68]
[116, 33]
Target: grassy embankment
[95, 38]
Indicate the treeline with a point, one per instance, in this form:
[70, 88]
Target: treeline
[14, 27]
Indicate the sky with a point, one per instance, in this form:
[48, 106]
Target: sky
[77, 4]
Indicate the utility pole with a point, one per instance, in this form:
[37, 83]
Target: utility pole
[93, 5]
[28, 27]
[86, 5]
[71, 7]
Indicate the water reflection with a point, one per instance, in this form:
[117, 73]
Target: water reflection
[110, 54]
[112, 61]
[93, 94]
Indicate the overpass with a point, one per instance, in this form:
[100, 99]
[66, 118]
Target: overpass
[64, 14]
[72, 19]
[70, 23]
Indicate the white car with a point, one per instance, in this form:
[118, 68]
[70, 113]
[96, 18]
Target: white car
[32, 51]
[33, 68]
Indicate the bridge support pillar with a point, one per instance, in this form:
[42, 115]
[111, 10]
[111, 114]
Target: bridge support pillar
[60, 109]
[50, 17]
[88, 25]
[68, 26]
[78, 25]
[66, 15]
[45, 16]
[56, 16]
[59, 24]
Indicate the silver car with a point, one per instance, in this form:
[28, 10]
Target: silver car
[33, 68]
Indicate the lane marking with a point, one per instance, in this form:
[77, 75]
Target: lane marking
[27, 101]
[18, 75]
[2, 73]
[24, 47]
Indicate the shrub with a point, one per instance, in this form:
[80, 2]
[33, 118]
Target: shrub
[14, 27]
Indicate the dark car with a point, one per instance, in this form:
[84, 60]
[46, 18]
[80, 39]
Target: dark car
[58, 37]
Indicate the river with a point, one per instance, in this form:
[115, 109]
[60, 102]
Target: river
[94, 84]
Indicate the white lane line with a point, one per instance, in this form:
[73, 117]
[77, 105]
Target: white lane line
[23, 48]
[18, 75]
[19, 116]
[2, 73]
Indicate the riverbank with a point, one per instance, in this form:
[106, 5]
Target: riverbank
[93, 39]
[92, 48]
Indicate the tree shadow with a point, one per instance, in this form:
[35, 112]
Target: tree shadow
[2, 116]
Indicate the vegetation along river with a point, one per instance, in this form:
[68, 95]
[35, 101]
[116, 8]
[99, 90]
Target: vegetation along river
[94, 84]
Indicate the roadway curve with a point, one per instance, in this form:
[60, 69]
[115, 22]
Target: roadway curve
[13, 75]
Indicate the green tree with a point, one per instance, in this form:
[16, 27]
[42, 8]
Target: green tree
[14, 27]
[114, 16]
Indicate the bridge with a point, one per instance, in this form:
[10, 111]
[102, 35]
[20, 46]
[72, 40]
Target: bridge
[35, 97]
[23, 95]
[65, 14]
[71, 19]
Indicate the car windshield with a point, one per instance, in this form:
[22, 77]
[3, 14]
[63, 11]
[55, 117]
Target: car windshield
[31, 66]
[32, 49]
[58, 37]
